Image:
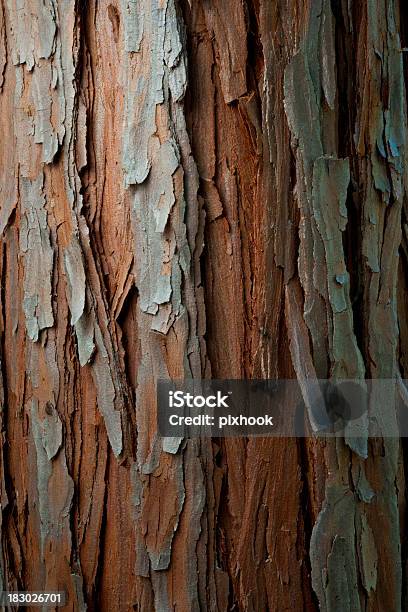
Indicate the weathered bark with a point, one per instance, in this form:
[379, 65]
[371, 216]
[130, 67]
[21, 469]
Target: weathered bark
[195, 189]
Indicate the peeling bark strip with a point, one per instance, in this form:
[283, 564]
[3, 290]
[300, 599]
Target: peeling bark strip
[34, 45]
[322, 179]
[196, 189]
[162, 182]
[38, 258]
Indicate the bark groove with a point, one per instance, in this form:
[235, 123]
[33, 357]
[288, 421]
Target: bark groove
[192, 190]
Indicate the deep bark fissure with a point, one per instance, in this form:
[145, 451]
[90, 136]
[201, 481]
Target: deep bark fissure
[195, 189]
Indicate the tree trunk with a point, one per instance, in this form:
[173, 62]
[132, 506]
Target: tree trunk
[195, 189]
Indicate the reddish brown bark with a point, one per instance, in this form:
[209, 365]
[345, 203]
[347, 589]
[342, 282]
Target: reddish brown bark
[199, 189]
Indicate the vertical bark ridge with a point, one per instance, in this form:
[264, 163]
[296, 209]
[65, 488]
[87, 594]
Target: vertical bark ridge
[196, 189]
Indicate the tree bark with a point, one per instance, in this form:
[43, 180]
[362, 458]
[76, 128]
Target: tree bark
[195, 189]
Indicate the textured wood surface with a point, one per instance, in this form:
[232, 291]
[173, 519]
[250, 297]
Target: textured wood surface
[197, 188]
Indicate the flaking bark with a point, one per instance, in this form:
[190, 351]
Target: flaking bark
[196, 189]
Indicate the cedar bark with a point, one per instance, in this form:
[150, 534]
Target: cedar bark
[199, 188]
